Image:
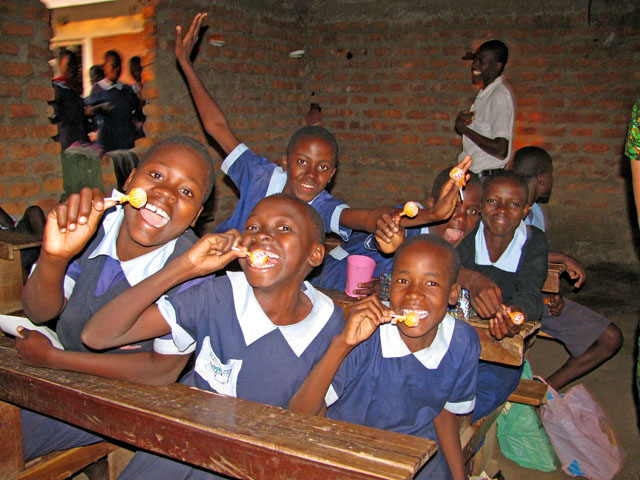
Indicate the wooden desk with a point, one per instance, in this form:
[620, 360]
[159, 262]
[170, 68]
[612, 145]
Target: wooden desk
[224, 434]
[11, 243]
[552, 283]
[508, 351]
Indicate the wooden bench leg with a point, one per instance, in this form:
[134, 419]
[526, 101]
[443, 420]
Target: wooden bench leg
[11, 453]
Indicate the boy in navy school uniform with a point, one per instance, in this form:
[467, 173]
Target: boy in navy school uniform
[87, 259]
[308, 165]
[412, 380]
[460, 221]
[590, 338]
[256, 333]
[504, 266]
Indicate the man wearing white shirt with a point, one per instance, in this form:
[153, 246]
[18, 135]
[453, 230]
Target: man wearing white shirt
[487, 128]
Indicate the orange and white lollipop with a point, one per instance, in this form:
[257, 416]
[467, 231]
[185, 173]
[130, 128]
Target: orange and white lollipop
[137, 198]
[457, 175]
[411, 319]
[258, 257]
[410, 209]
[516, 317]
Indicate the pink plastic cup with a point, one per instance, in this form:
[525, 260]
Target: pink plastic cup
[359, 270]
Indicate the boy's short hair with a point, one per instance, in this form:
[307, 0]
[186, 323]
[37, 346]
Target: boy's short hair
[312, 214]
[443, 177]
[501, 175]
[192, 144]
[96, 72]
[314, 131]
[529, 162]
[438, 242]
[498, 48]
[65, 52]
[115, 56]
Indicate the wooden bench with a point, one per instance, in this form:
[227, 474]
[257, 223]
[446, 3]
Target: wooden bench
[224, 434]
[11, 243]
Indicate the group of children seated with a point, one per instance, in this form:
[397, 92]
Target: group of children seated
[138, 295]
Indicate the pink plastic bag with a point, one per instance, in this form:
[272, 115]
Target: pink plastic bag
[581, 434]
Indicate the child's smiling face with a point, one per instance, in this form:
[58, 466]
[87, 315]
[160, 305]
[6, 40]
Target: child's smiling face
[504, 205]
[282, 228]
[422, 283]
[174, 181]
[310, 167]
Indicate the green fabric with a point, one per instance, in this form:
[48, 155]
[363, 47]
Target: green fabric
[522, 438]
[81, 167]
[632, 147]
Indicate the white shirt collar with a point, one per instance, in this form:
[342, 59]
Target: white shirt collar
[107, 85]
[136, 269]
[393, 346]
[510, 258]
[255, 324]
[492, 86]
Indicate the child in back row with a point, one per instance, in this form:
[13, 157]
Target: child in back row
[460, 221]
[256, 333]
[87, 259]
[408, 379]
[505, 266]
[590, 338]
[308, 165]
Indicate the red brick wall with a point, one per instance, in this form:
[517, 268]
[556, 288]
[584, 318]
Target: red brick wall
[393, 103]
[29, 165]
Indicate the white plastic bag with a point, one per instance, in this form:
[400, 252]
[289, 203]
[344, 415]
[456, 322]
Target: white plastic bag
[581, 434]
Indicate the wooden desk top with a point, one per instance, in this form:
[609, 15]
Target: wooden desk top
[508, 351]
[225, 434]
[11, 241]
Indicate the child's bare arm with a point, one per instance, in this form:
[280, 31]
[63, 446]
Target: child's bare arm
[364, 318]
[148, 368]
[132, 316]
[213, 119]
[446, 425]
[575, 269]
[498, 147]
[70, 225]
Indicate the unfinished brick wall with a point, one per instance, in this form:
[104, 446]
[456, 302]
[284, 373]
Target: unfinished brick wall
[29, 159]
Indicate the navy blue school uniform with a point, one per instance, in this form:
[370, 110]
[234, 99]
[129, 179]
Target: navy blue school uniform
[256, 178]
[382, 384]
[116, 128]
[333, 271]
[238, 350]
[92, 280]
[520, 273]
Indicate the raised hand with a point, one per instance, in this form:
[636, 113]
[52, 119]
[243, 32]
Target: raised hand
[389, 234]
[448, 199]
[70, 225]
[184, 46]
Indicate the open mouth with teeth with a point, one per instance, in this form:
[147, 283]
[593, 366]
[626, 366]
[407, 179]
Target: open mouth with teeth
[263, 259]
[154, 215]
[307, 187]
[413, 316]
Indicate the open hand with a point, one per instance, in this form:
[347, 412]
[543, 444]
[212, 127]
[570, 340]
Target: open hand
[184, 46]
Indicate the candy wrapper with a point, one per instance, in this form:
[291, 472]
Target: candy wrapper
[463, 309]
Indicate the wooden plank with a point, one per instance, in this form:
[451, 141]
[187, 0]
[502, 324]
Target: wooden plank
[10, 285]
[529, 392]
[552, 283]
[11, 456]
[228, 435]
[63, 464]
[11, 241]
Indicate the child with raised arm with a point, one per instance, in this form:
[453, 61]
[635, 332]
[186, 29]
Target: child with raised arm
[256, 333]
[408, 379]
[308, 165]
[87, 259]
[505, 267]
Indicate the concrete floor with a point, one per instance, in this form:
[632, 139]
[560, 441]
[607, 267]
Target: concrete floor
[614, 291]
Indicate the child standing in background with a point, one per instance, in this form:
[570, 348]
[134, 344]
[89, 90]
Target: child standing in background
[256, 333]
[408, 379]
